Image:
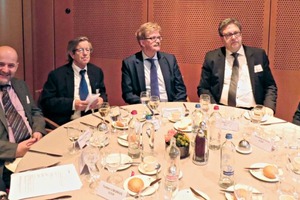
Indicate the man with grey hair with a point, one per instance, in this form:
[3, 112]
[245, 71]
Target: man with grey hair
[152, 70]
[235, 74]
[64, 94]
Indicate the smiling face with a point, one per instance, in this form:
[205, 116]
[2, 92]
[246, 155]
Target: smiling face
[82, 54]
[232, 37]
[151, 44]
[8, 64]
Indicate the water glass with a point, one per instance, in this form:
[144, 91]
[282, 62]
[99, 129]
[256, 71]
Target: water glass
[114, 114]
[91, 156]
[112, 163]
[205, 103]
[73, 133]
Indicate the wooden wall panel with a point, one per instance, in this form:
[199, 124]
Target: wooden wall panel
[189, 29]
[284, 54]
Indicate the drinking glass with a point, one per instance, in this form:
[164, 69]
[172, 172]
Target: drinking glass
[145, 98]
[112, 163]
[114, 114]
[73, 135]
[257, 113]
[154, 103]
[205, 103]
[91, 156]
[98, 138]
[103, 110]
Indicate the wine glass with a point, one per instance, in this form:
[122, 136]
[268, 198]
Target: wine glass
[112, 163]
[145, 98]
[205, 102]
[103, 110]
[73, 135]
[91, 156]
[114, 114]
[98, 138]
[154, 103]
[257, 113]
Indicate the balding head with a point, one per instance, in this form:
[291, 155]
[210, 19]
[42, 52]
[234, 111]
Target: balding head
[8, 64]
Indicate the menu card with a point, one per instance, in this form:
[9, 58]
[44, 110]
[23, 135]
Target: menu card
[44, 182]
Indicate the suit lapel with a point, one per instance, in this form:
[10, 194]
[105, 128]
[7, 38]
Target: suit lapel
[220, 64]
[250, 62]
[2, 118]
[139, 67]
[165, 70]
[70, 81]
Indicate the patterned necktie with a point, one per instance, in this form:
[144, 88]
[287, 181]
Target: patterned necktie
[14, 119]
[233, 81]
[83, 88]
[153, 78]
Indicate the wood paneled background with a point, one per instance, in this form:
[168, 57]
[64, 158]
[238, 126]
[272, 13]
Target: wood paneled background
[40, 30]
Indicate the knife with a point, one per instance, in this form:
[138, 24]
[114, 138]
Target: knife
[89, 125]
[100, 118]
[42, 167]
[197, 193]
[152, 183]
[231, 191]
[253, 168]
[60, 197]
[271, 123]
[46, 153]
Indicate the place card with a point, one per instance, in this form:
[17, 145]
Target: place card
[83, 168]
[84, 139]
[230, 125]
[109, 191]
[262, 143]
[167, 112]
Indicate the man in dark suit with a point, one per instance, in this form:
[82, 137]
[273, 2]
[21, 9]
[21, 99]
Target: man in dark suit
[254, 84]
[136, 69]
[62, 99]
[296, 118]
[16, 101]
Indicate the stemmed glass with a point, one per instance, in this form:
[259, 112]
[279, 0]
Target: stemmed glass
[73, 135]
[205, 102]
[103, 110]
[114, 114]
[98, 138]
[145, 98]
[112, 163]
[91, 156]
[154, 103]
[256, 115]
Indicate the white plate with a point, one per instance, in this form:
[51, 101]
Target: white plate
[142, 170]
[264, 119]
[123, 142]
[125, 159]
[187, 194]
[119, 127]
[147, 180]
[170, 118]
[187, 130]
[229, 196]
[244, 151]
[259, 173]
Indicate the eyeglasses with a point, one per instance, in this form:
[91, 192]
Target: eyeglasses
[154, 38]
[229, 35]
[81, 50]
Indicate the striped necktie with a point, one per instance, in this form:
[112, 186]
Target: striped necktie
[14, 119]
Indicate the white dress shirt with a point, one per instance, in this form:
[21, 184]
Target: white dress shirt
[161, 82]
[244, 94]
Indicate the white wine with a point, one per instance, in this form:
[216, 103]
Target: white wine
[145, 100]
[153, 104]
[73, 138]
[103, 112]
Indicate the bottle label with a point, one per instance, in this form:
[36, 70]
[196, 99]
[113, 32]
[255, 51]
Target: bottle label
[228, 173]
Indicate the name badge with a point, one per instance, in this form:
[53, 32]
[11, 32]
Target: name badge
[258, 68]
[109, 191]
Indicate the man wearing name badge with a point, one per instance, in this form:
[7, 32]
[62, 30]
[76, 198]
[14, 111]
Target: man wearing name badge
[64, 94]
[21, 121]
[151, 69]
[237, 75]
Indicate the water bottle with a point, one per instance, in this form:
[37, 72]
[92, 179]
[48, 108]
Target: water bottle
[227, 162]
[201, 151]
[197, 116]
[215, 121]
[148, 133]
[172, 171]
[134, 136]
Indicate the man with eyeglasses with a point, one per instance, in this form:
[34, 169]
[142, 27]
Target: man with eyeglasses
[235, 74]
[65, 92]
[151, 70]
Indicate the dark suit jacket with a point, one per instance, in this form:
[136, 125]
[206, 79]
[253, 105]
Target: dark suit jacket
[58, 92]
[296, 118]
[33, 114]
[133, 78]
[263, 84]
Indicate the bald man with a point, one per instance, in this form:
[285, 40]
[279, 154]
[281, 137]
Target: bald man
[33, 124]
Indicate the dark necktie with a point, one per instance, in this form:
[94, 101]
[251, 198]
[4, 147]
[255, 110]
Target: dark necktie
[233, 81]
[83, 88]
[14, 119]
[153, 78]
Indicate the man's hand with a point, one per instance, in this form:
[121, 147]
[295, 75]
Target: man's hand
[96, 103]
[37, 135]
[80, 105]
[24, 146]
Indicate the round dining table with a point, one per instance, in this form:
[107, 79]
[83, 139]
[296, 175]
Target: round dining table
[203, 178]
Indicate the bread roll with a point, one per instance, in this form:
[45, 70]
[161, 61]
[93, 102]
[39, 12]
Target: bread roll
[270, 171]
[241, 192]
[135, 184]
[119, 124]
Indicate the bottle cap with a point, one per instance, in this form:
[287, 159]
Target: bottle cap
[228, 136]
[148, 117]
[133, 112]
[216, 107]
[197, 105]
